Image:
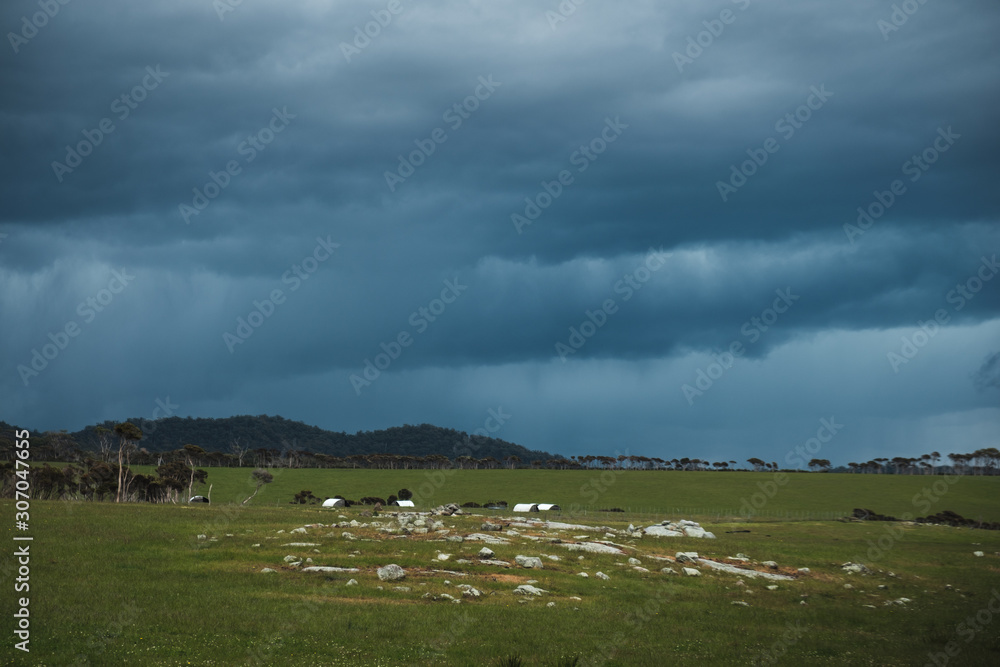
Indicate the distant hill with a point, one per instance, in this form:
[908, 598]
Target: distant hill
[265, 432]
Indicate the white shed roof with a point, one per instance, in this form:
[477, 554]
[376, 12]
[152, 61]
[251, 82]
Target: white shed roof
[548, 506]
[333, 502]
[404, 503]
[526, 507]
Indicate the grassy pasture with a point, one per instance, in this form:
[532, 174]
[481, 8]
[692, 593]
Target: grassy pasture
[132, 584]
[706, 494]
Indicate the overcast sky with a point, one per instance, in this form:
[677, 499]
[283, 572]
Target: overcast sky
[623, 227]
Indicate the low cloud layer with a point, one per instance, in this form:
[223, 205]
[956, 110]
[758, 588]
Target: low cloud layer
[572, 215]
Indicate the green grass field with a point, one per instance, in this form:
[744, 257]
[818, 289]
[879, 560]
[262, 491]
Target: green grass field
[706, 494]
[132, 584]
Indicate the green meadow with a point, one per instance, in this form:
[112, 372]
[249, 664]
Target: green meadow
[707, 494]
[134, 584]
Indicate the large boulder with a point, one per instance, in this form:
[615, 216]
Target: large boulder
[594, 547]
[529, 562]
[662, 531]
[391, 572]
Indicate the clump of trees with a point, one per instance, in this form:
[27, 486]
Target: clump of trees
[101, 481]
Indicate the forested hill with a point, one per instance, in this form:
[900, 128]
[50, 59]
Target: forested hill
[277, 433]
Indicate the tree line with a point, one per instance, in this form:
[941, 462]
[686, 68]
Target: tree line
[106, 444]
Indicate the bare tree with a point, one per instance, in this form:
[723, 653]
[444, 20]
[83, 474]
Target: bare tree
[238, 450]
[104, 442]
[128, 434]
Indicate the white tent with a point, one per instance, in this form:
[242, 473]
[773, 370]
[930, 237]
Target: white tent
[402, 503]
[544, 507]
[526, 507]
[334, 502]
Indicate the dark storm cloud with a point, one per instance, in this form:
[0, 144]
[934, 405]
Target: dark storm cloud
[842, 108]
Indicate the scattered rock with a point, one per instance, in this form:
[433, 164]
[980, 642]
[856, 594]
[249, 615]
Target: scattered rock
[391, 572]
[324, 568]
[978, 554]
[691, 572]
[686, 556]
[352, 582]
[601, 575]
[531, 562]
[267, 570]
[551, 604]
[595, 547]
[634, 561]
[582, 574]
[772, 587]
[291, 559]
[489, 539]
[771, 564]
[739, 603]
[528, 589]
[668, 570]
[854, 568]
[443, 556]
[298, 531]
[486, 552]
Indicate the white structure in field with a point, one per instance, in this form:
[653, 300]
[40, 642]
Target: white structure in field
[334, 502]
[526, 507]
[545, 507]
[402, 503]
